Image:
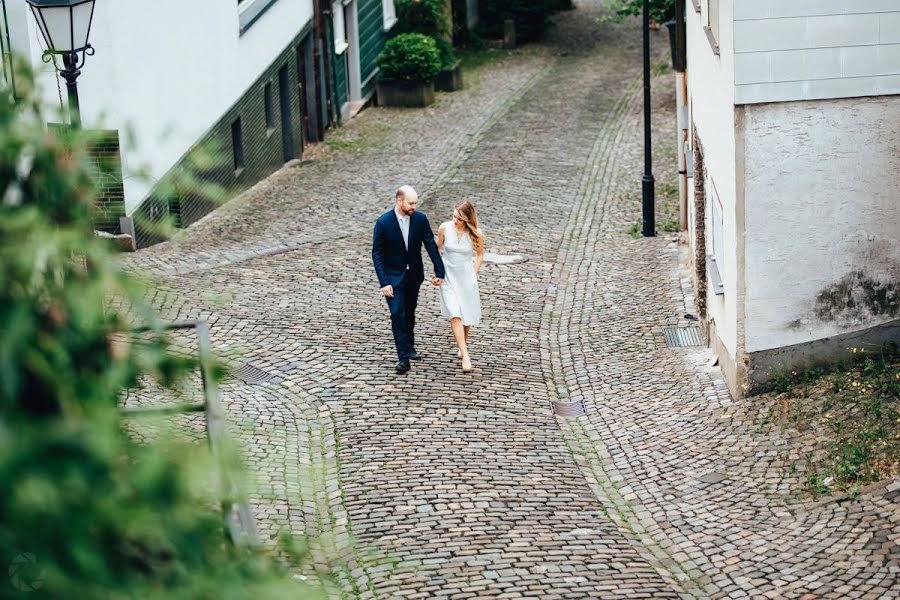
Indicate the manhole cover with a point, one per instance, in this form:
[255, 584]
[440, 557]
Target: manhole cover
[569, 409]
[713, 477]
[503, 259]
[682, 337]
[250, 374]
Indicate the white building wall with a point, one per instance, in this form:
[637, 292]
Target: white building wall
[822, 215]
[168, 70]
[814, 49]
[711, 97]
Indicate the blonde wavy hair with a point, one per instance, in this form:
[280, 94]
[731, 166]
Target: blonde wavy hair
[466, 212]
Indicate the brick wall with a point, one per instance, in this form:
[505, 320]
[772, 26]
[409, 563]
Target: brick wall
[262, 153]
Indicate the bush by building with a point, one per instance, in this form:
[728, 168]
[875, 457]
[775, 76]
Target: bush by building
[410, 57]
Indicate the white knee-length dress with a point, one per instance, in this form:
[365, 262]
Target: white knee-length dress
[459, 292]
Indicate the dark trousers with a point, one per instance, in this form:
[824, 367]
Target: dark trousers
[403, 317]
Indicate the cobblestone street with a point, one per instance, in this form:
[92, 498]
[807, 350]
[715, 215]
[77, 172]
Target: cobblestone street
[439, 484]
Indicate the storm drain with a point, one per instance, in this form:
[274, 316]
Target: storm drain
[250, 374]
[569, 409]
[683, 337]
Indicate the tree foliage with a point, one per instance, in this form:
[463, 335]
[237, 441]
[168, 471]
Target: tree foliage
[86, 511]
[660, 10]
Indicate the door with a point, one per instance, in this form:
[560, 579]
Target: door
[307, 94]
[284, 99]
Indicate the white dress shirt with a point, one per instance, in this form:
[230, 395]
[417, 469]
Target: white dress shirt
[403, 220]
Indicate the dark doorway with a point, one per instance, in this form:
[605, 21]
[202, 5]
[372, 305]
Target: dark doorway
[284, 98]
[306, 78]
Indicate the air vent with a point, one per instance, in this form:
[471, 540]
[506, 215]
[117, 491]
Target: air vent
[569, 409]
[683, 337]
[250, 374]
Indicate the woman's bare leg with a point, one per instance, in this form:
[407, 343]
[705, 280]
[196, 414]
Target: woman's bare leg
[466, 329]
[459, 335]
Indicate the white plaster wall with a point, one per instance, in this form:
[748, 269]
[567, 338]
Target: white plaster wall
[822, 201]
[168, 70]
[711, 96]
[814, 49]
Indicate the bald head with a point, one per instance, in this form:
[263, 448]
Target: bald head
[407, 200]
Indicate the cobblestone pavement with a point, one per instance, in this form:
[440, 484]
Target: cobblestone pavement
[438, 484]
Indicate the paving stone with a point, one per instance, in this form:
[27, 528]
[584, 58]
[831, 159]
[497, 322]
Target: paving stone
[439, 484]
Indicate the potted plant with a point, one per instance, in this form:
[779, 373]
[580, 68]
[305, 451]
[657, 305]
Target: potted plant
[408, 65]
[429, 17]
[449, 78]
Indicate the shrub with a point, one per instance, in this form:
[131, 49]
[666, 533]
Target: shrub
[421, 16]
[660, 10]
[448, 56]
[86, 511]
[410, 57]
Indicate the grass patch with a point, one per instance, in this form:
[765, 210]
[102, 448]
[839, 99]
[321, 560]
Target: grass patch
[844, 420]
[473, 58]
[635, 230]
[670, 226]
[661, 68]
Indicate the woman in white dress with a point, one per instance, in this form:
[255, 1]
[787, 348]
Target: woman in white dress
[461, 244]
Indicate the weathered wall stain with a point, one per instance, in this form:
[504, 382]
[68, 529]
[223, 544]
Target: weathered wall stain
[858, 298]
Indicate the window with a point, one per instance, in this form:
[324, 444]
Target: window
[270, 109]
[237, 146]
[717, 215]
[249, 11]
[389, 13]
[340, 31]
[712, 25]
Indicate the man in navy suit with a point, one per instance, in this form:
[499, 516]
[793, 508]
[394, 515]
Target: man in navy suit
[397, 254]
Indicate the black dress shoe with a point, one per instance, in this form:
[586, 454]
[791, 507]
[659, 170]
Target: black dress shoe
[403, 366]
[415, 356]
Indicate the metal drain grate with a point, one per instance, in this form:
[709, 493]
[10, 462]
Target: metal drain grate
[569, 409]
[250, 374]
[682, 337]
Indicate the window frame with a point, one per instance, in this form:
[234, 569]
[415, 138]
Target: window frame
[389, 14]
[339, 26]
[712, 27]
[249, 12]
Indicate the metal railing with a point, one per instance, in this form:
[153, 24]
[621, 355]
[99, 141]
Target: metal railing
[240, 524]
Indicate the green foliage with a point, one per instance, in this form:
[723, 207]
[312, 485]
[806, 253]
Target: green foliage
[660, 10]
[426, 17]
[530, 17]
[421, 16]
[86, 511]
[448, 57]
[851, 414]
[410, 57]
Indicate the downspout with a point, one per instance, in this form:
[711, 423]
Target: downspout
[680, 65]
[323, 59]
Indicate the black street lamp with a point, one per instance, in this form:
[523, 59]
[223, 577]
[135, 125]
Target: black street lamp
[66, 25]
[648, 200]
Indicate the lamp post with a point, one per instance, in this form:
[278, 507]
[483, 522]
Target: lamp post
[65, 26]
[647, 184]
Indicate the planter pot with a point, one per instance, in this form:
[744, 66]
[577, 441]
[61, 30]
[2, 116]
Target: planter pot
[411, 94]
[450, 79]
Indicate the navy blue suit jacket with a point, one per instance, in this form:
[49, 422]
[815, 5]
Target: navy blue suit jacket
[393, 263]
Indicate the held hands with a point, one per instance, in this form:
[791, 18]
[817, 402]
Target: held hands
[437, 281]
[387, 291]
